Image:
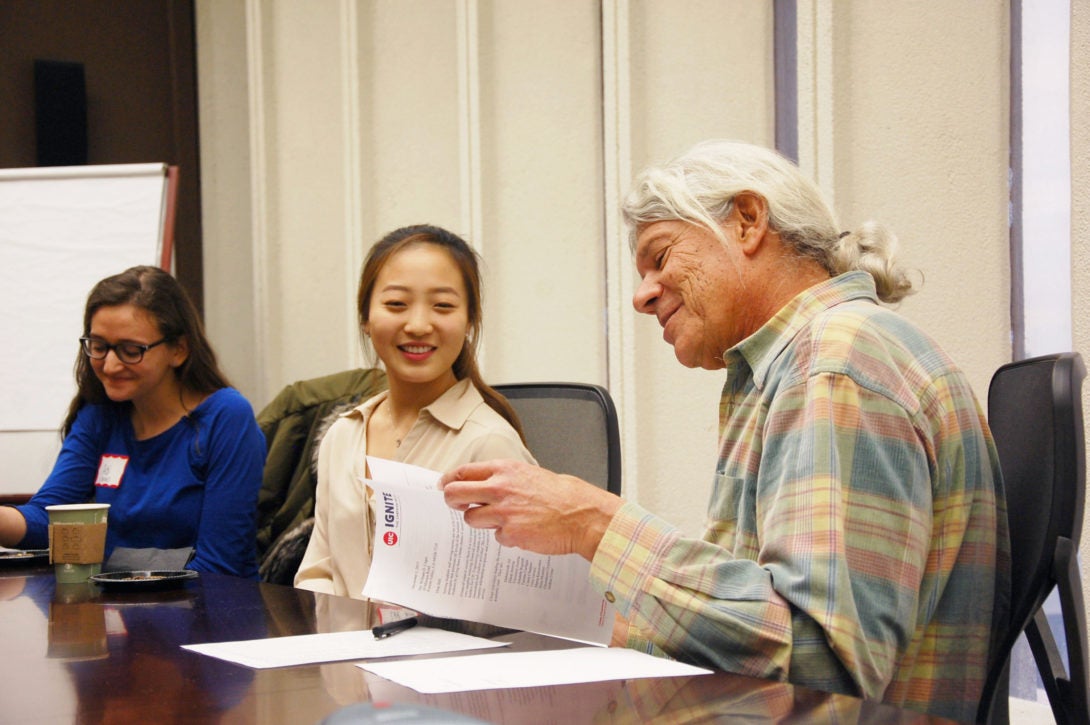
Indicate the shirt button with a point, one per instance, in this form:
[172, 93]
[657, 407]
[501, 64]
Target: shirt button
[610, 598]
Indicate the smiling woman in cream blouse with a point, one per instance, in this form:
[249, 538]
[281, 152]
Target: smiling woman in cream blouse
[419, 305]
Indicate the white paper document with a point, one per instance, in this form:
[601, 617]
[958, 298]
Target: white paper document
[426, 558]
[602, 703]
[306, 649]
[387, 471]
[528, 669]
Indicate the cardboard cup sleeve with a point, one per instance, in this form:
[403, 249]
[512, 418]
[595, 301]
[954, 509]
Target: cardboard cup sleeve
[77, 543]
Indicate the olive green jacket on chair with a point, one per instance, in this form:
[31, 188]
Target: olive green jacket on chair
[292, 425]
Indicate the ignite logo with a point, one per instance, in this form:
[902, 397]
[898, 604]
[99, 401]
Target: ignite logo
[389, 519]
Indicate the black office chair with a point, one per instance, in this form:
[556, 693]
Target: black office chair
[1035, 413]
[570, 428]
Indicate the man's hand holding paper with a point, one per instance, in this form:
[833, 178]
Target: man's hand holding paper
[428, 558]
[530, 507]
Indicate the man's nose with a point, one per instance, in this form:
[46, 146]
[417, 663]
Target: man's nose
[646, 295]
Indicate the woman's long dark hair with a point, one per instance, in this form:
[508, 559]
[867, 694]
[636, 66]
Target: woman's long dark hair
[159, 294]
[465, 366]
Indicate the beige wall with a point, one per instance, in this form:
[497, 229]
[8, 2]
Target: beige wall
[519, 124]
[915, 149]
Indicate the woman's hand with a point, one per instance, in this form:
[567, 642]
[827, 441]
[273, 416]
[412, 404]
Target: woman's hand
[12, 526]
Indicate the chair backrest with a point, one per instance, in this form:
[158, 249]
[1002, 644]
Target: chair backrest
[1035, 414]
[570, 428]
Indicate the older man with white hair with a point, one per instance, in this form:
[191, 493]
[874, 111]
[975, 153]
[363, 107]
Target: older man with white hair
[857, 530]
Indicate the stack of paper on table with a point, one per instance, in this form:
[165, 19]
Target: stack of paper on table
[306, 649]
[427, 559]
[528, 669]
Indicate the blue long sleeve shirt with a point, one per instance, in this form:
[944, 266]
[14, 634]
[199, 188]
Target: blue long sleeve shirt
[195, 484]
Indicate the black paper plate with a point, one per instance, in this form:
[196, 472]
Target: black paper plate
[142, 581]
[23, 557]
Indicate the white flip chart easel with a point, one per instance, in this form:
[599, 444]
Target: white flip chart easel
[61, 230]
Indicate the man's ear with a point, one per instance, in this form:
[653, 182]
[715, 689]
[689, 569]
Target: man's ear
[751, 213]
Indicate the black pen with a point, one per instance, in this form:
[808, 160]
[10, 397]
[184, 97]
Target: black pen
[383, 631]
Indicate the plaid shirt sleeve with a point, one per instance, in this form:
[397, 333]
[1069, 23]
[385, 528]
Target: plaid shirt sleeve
[693, 598]
[804, 548]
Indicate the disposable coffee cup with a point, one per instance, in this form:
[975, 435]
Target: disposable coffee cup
[77, 540]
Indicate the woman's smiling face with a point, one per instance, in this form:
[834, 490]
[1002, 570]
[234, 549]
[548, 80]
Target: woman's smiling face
[418, 317]
[151, 378]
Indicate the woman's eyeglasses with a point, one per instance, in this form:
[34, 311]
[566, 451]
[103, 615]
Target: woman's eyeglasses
[129, 353]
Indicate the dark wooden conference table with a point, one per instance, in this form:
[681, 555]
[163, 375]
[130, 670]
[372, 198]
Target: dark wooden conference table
[77, 653]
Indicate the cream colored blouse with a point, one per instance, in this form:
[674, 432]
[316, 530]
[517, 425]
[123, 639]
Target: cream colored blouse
[459, 427]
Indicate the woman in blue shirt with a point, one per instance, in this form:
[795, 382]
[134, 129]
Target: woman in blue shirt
[155, 431]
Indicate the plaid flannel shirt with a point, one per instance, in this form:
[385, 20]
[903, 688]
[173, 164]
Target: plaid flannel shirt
[857, 531]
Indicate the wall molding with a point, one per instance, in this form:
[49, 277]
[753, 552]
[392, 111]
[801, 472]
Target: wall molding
[353, 167]
[259, 192]
[617, 174]
[469, 136]
[816, 92]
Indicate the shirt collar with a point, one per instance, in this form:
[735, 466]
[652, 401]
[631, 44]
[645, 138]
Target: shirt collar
[759, 350]
[452, 409]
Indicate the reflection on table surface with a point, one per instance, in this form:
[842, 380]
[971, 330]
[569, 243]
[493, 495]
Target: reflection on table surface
[79, 653]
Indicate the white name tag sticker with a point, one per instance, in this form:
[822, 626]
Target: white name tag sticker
[110, 470]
